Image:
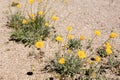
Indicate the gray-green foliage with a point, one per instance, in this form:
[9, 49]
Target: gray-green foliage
[31, 32]
[70, 68]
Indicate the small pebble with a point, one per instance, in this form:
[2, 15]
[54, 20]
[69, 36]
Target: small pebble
[30, 73]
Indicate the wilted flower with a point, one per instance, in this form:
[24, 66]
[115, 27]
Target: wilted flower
[55, 18]
[70, 36]
[39, 44]
[62, 61]
[81, 54]
[97, 33]
[113, 35]
[82, 37]
[59, 39]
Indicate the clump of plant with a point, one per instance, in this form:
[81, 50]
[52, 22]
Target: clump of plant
[106, 48]
[72, 61]
[74, 44]
[30, 27]
[67, 65]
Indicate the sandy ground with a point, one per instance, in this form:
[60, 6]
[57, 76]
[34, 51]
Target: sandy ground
[86, 16]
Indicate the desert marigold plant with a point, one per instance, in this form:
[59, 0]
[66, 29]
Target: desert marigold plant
[29, 27]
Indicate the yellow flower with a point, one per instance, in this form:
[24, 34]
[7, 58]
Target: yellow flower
[81, 54]
[62, 61]
[97, 58]
[82, 37]
[108, 51]
[107, 45]
[32, 16]
[70, 36]
[55, 18]
[113, 35]
[39, 44]
[24, 21]
[30, 1]
[39, 1]
[69, 28]
[18, 6]
[59, 38]
[40, 13]
[97, 33]
[46, 24]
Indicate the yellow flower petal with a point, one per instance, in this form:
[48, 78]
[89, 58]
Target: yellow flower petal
[97, 58]
[108, 51]
[62, 61]
[82, 37]
[81, 54]
[24, 21]
[46, 24]
[69, 28]
[59, 39]
[39, 44]
[18, 6]
[30, 1]
[97, 33]
[70, 36]
[55, 18]
[107, 45]
[32, 16]
[113, 35]
[40, 13]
